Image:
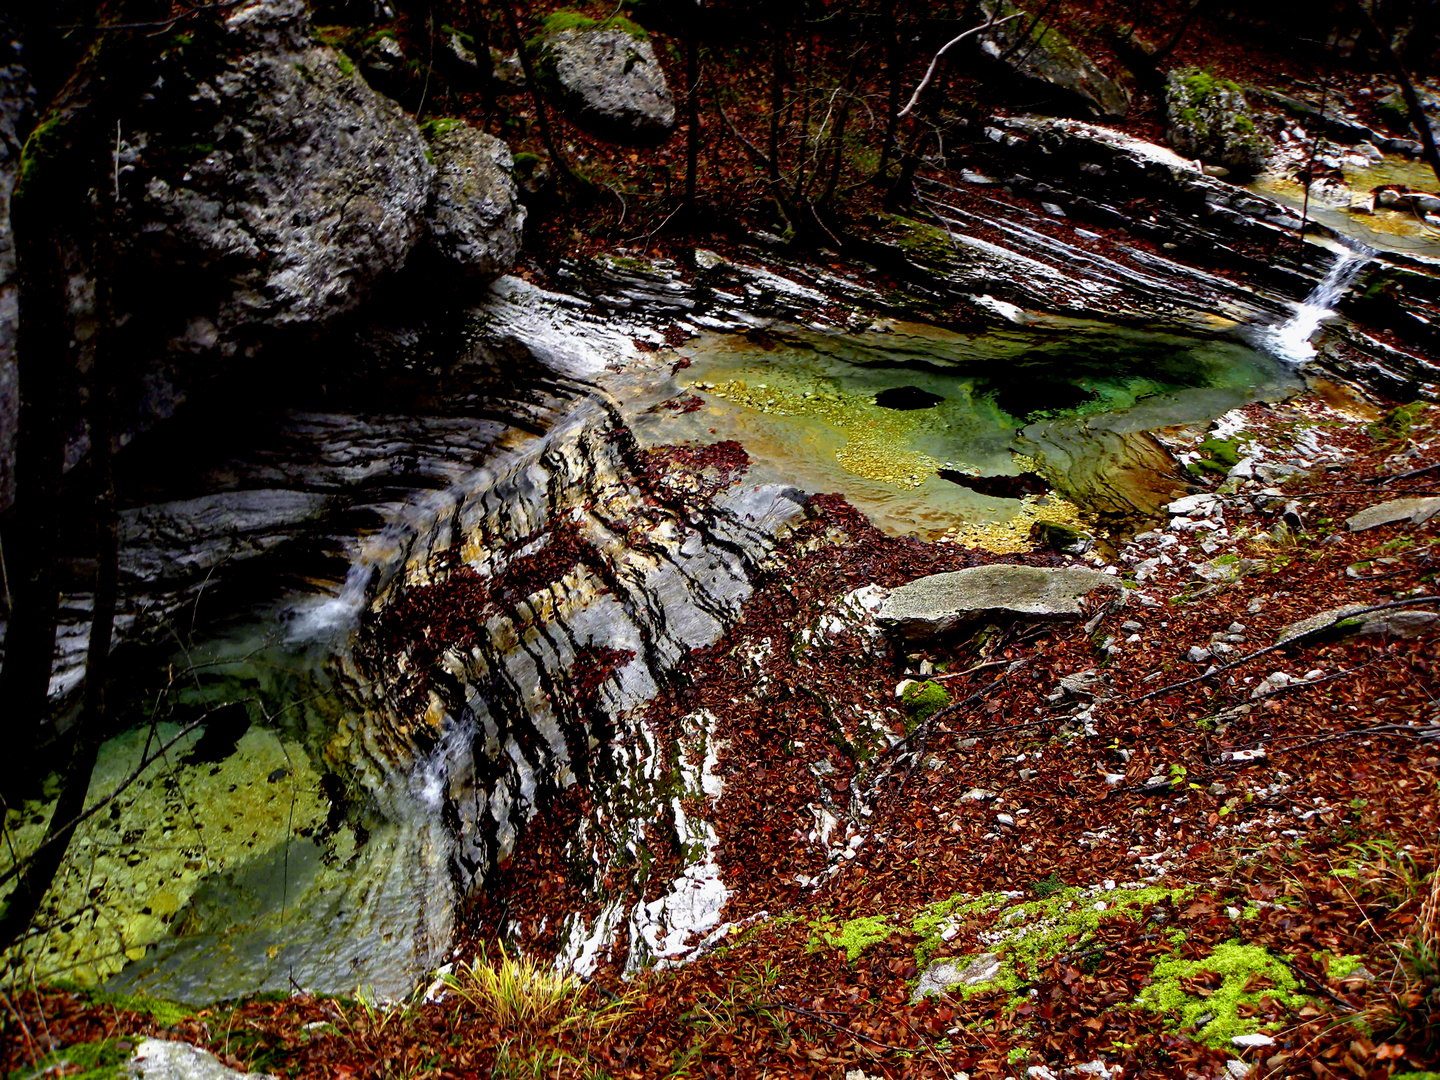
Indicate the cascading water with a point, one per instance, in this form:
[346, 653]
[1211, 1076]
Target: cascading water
[1290, 340]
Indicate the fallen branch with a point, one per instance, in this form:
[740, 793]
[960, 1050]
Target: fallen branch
[1404, 475]
[838, 1027]
[1222, 668]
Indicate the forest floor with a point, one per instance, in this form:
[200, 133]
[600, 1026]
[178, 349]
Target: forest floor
[1175, 864]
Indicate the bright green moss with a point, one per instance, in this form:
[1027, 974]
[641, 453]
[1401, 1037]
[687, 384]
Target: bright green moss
[440, 125]
[1034, 931]
[1236, 965]
[854, 936]
[559, 21]
[924, 700]
[347, 66]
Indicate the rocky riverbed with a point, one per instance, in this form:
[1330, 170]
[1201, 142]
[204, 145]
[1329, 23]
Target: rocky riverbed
[634, 610]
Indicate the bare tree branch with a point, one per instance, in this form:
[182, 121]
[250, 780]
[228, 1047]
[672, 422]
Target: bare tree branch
[930, 71]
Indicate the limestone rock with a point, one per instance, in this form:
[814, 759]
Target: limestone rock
[313, 186]
[940, 976]
[1397, 622]
[1394, 512]
[1037, 53]
[160, 1059]
[609, 80]
[174, 541]
[1210, 119]
[1058, 536]
[938, 604]
[475, 216]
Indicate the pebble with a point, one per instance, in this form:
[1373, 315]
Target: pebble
[1198, 654]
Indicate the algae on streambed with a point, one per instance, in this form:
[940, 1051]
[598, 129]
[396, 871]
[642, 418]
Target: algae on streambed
[237, 859]
[899, 417]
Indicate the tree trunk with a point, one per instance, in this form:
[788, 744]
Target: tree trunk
[1407, 89]
[894, 69]
[32, 528]
[692, 117]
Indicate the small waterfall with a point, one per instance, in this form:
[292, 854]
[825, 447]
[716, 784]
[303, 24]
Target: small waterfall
[1290, 340]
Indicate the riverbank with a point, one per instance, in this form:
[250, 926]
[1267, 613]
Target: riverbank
[1146, 841]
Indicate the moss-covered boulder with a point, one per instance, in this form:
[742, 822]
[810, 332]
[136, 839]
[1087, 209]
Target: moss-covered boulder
[605, 76]
[1034, 51]
[1210, 119]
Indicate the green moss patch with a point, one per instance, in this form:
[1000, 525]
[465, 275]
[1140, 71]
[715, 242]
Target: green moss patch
[559, 21]
[854, 936]
[440, 125]
[104, 1060]
[1029, 933]
[922, 701]
[1396, 425]
[1246, 974]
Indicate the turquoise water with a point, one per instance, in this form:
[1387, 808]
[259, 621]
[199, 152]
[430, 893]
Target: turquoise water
[811, 408]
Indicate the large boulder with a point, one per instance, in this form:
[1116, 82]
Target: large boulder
[606, 78]
[264, 191]
[939, 604]
[1210, 119]
[1032, 49]
[301, 189]
[475, 215]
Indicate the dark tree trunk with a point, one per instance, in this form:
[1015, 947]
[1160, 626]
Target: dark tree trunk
[692, 117]
[894, 70]
[32, 527]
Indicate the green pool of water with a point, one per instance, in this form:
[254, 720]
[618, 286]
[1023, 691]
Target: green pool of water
[880, 416]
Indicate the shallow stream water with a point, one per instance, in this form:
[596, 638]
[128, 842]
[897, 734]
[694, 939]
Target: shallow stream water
[908, 421]
[253, 852]
[1386, 229]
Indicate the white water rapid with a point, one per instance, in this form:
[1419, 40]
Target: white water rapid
[1290, 340]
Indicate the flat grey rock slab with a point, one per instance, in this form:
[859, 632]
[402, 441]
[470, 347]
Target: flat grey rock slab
[1395, 512]
[935, 605]
[1398, 622]
[940, 976]
[160, 1059]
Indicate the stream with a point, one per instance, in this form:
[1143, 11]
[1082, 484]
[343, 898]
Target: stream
[488, 575]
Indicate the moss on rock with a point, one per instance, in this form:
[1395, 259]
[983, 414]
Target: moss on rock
[923, 700]
[1210, 119]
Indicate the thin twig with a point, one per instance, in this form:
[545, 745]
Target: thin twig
[108, 799]
[838, 1027]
